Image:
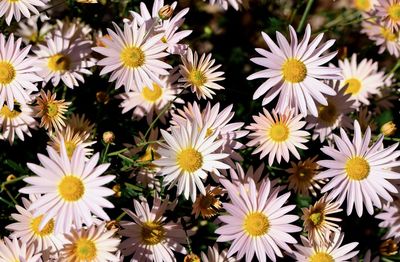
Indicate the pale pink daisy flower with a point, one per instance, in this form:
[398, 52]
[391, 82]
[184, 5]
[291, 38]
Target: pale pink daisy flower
[150, 237]
[16, 122]
[277, 135]
[61, 59]
[361, 80]
[200, 74]
[150, 102]
[384, 38]
[331, 116]
[17, 72]
[72, 189]
[27, 228]
[133, 57]
[359, 172]
[226, 3]
[95, 243]
[186, 157]
[14, 250]
[332, 251]
[14, 8]
[295, 71]
[257, 221]
[389, 12]
[31, 32]
[390, 216]
[215, 120]
[214, 255]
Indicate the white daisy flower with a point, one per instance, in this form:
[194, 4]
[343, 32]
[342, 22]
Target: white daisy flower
[31, 32]
[133, 57]
[186, 157]
[295, 71]
[359, 172]
[17, 251]
[14, 8]
[383, 37]
[72, 189]
[277, 135]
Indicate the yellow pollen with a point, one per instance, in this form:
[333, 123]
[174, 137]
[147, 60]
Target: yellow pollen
[321, 257]
[71, 188]
[197, 78]
[256, 224]
[394, 12]
[70, 146]
[362, 5]
[152, 95]
[152, 233]
[357, 168]
[328, 114]
[388, 35]
[132, 57]
[279, 132]
[51, 109]
[59, 62]
[189, 160]
[209, 132]
[7, 73]
[47, 229]
[5, 112]
[85, 250]
[294, 71]
[354, 86]
[164, 39]
[317, 218]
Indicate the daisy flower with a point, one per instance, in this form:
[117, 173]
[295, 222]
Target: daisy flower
[390, 216]
[200, 74]
[365, 5]
[332, 115]
[208, 205]
[186, 157]
[31, 32]
[15, 8]
[13, 250]
[79, 123]
[214, 255]
[257, 222]
[277, 135]
[332, 251]
[72, 189]
[133, 58]
[295, 72]
[95, 243]
[225, 3]
[17, 72]
[361, 80]
[16, 122]
[359, 172]
[389, 12]
[27, 228]
[302, 177]
[150, 237]
[50, 110]
[318, 222]
[63, 59]
[383, 37]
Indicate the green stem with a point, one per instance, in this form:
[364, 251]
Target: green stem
[115, 153]
[6, 202]
[304, 17]
[104, 155]
[120, 216]
[149, 142]
[394, 69]
[10, 196]
[12, 181]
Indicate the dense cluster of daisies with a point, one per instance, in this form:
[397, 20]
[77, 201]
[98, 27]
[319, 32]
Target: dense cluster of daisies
[307, 94]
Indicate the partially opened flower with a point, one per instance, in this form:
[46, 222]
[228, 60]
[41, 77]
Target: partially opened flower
[14, 8]
[14, 250]
[295, 72]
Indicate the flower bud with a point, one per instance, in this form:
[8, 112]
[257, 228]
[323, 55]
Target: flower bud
[165, 12]
[191, 258]
[108, 137]
[388, 129]
[11, 177]
[388, 248]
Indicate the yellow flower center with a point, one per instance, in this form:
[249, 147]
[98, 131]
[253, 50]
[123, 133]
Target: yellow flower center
[7, 113]
[47, 229]
[71, 188]
[85, 250]
[353, 86]
[190, 160]
[51, 109]
[317, 218]
[321, 257]
[7, 73]
[256, 224]
[59, 62]
[363, 5]
[152, 233]
[357, 168]
[132, 57]
[394, 12]
[152, 95]
[294, 70]
[197, 78]
[279, 132]
[388, 35]
[164, 39]
[209, 132]
[328, 114]
[70, 147]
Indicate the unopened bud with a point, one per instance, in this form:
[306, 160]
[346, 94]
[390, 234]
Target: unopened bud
[388, 129]
[102, 97]
[388, 248]
[117, 190]
[11, 177]
[108, 137]
[191, 258]
[165, 12]
[112, 225]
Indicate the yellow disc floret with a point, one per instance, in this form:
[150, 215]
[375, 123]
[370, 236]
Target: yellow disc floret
[197, 78]
[152, 95]
[394, 12]
[132, 57]
[256, 224]
[7, 72]
[71, 188]
[353, 86]
[279, 132]
[294, 71]
[85, 249]
[152, 233]
[357, 168]
[321, 257]
[328, 114]
[59, 62]
[46, 230]
[189, 160]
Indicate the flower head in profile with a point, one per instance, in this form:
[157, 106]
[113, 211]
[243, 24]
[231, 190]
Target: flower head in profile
[295, 72]
[199, 73]
[14, 8]
[14, 250]
[150, 237]
[277, 135]
[358, 172]
[71, 189]
[257, 221]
